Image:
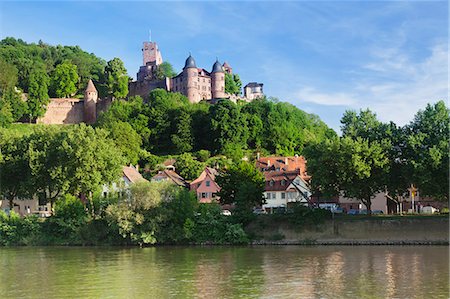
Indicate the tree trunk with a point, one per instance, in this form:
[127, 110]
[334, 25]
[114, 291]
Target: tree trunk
[11, 204]
[369, 207]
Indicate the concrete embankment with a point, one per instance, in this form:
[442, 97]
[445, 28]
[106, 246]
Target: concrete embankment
[433, 230]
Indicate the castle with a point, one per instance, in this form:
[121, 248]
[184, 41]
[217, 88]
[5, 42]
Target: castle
[73, 110]
[197, 84]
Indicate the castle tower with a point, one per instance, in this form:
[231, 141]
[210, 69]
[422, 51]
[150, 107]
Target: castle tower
[217, 81]
[190, 75]
[151, 54]
[90, 103]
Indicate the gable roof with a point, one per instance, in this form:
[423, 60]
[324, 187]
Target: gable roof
[171, 175]
[208, 170]
[132, 174]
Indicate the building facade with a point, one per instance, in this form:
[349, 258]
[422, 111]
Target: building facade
[205, 186]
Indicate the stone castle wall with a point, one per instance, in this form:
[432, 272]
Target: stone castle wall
[143, 88]
[63, 111]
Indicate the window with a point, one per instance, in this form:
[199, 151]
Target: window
[208, 183]
[204, 194]
[268, 195]
[213, 194]
[274, 196]
[283, 182]
[203, 79]
[283, 195]
[271, 183]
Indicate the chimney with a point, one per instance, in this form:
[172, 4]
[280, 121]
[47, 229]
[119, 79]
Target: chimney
[286, 162]
[268, 162]
[137, 167]
[257, 156]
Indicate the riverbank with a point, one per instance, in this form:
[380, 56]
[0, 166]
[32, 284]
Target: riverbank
[386, 230]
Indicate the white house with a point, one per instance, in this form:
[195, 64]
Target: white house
[283, 188]
[130, 175]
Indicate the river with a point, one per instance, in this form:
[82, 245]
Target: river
[225, 272]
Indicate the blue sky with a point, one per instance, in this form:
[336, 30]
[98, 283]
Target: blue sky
[323, 57]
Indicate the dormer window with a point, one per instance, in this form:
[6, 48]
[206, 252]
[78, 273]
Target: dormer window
[283, 182]
[271, 183]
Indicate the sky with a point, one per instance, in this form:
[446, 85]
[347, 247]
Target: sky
[323, 57]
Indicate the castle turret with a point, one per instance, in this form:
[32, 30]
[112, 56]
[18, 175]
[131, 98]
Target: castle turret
[190, 73]
[217, 81]
[90, 103]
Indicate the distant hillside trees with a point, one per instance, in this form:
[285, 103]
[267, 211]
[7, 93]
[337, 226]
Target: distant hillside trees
[38, 98]
[169, 124]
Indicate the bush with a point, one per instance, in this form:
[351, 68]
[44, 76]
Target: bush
[18, 231]
[64, 227]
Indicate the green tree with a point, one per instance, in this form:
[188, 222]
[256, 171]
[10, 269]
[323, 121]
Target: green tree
[47, 162]
[427, 150]
[164, 70]
[6, 116]
[233, 84]
[92, 159]
[228, 125]
[126, 139]
[188, 167]
[116, 78]
[242, 185]
[38, 98]
[14, 168]
[182, 138]
[65, 80]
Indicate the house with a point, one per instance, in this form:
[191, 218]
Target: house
[282, 188]
[171, 176]
[291, 164]
[205, 186]
[25, 207]
[130, 175]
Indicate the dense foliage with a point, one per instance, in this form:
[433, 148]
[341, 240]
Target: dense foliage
[39, 71]
[373, 157]
[169, 124]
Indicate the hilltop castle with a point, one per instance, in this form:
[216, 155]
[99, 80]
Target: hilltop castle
[74, 111]
[195, 83]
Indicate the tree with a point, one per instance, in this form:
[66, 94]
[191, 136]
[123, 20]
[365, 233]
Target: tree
[8, 76]
[233, 84]
[427, 150]
[92, 159]
[164, 70]
[14, 168]
[182, 138]
[228, 125]
[126, 139]
[47, 161]
[65, 80]
[188, 167]
[243, 186]
[362, 169]
[116, 78]
[6, 116]
[38, 98]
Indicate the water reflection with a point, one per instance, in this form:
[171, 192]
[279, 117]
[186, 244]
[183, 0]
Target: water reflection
[225, 272]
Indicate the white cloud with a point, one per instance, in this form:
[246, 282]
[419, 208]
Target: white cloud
[311, 95]
[392, 85]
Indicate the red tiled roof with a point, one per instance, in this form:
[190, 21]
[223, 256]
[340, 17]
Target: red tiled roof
[296, 164]
[132, 174]
[279, 180]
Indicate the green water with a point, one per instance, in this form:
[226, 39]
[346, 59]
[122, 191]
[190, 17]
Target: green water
[225, 272]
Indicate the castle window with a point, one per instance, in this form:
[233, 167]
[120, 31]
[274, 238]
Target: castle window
[209, 88]
[203, 79]
[221, 88]
[198, 79]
